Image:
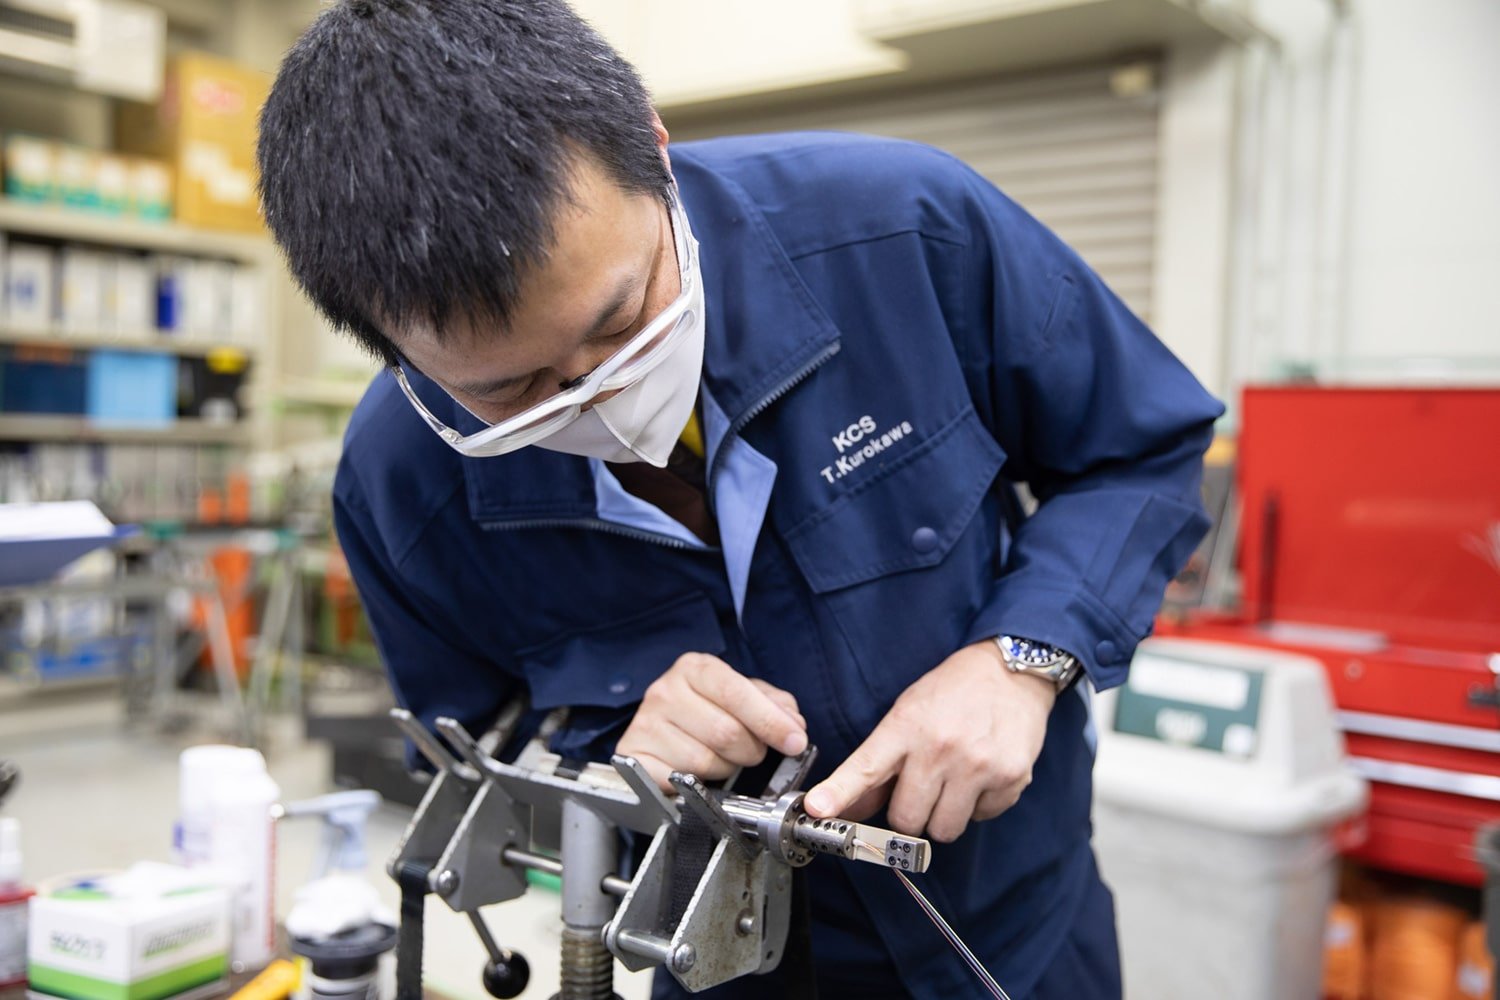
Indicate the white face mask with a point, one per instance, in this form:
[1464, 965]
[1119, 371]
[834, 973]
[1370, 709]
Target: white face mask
[659, 371]
[642, 422]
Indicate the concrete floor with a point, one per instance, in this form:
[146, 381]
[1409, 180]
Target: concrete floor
[94, 796]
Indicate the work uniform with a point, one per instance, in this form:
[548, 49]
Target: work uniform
[892, 343]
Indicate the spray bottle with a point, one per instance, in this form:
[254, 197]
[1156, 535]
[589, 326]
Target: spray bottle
[338, 922]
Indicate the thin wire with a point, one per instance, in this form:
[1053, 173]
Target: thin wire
[944, 929]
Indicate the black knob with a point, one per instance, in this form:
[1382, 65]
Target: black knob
[507, 977]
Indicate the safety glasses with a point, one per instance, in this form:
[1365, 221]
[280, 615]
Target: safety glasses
[627, 366]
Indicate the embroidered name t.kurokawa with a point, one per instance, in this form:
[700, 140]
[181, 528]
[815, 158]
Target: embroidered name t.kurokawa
[860, 442]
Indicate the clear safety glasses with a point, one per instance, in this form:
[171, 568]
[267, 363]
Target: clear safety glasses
[627, 366]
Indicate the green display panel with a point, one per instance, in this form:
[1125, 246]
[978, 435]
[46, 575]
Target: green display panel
[1186, 703]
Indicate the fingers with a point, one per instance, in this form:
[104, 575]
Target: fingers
[952, 811]
[784, 699]
[876, 761]
[726, 736]
[993, 803]
[868, 804]
[705, 718]
[732, 691]
[912, 802]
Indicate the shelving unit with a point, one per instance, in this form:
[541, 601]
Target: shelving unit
[73, 225]
[81, 430]
[147, 341]
[21, 220]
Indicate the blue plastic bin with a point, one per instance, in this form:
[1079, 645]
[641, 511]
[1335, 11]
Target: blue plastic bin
[132, 388]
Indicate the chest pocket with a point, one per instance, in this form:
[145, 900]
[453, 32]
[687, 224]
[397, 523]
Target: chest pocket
[901, 560]
[612, 665]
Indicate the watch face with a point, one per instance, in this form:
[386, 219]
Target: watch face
[1029, 652]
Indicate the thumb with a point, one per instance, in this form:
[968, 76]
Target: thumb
[877, 761]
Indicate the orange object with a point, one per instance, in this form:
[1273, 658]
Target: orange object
[1476, 966]
[210, 505]
[232, 567]
[237, 505]
[1414, 952]
[1345, 957]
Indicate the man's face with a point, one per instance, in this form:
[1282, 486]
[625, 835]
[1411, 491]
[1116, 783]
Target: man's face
[611, 269]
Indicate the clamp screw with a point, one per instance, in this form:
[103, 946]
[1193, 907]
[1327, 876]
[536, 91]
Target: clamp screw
[446, 883]
[684, 957]
[746, 923]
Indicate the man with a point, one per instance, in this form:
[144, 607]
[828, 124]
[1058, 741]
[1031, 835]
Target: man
[715, 443]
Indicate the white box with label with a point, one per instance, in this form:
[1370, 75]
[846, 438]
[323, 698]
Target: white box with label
[30, 289]
[146, 933]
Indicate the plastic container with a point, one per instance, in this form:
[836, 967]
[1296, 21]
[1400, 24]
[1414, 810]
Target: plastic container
[1414, 949]
[126, 387]
[13, 906]
[1476, 966]
[1219, 786]
[226, 824]
[1345, 955]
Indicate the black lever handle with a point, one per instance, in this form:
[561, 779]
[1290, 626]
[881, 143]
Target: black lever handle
[507, 972]
[507, 978]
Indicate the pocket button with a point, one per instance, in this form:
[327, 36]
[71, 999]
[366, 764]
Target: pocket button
[924, 540]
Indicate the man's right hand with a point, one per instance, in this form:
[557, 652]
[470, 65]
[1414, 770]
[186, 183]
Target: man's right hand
[704, 718]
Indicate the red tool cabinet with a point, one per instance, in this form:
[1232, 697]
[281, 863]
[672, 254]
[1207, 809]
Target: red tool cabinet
[1370, 540]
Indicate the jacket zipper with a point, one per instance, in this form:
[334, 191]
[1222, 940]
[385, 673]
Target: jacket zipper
[610, 527]
[781, 390]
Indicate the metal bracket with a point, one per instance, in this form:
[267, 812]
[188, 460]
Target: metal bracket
[736, 922]
[695, 795]
[645, 909]
[469, 873]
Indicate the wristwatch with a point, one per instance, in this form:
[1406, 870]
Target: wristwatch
[1027, 656]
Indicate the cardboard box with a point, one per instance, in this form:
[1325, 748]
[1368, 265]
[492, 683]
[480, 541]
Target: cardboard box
[143, 934]
[30, 287]
[112, 183]
[247, 306]
[150, 189]
[129, 297]
[29, 171]
[80, 291]
[76, 170]
[204, 127]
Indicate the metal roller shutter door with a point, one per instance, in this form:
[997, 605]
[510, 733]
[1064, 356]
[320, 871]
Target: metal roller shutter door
[1064, 144]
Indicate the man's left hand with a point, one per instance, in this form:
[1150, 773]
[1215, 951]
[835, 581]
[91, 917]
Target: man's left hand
[958, 745]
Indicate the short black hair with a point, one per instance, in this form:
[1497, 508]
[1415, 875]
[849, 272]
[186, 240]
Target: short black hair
[413, 153]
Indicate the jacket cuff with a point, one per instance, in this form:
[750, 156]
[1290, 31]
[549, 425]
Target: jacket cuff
[1073, 620]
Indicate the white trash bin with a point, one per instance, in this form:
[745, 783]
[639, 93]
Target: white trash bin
[1219, 782]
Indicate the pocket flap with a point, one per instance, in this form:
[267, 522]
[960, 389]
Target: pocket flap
[613, 664]
[906, 516]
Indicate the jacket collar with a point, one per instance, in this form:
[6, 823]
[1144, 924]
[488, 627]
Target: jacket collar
[764, 327]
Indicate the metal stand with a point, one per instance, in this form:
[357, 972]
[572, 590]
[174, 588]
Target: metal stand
[710, 901]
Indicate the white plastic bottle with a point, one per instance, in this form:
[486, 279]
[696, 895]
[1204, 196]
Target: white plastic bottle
[227, 825]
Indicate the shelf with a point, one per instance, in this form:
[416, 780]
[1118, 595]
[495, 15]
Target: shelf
[337, 394]
[155, 342]
[21, 218]
[48, 428]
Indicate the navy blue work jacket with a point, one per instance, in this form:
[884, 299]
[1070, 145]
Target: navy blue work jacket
[854, 285]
